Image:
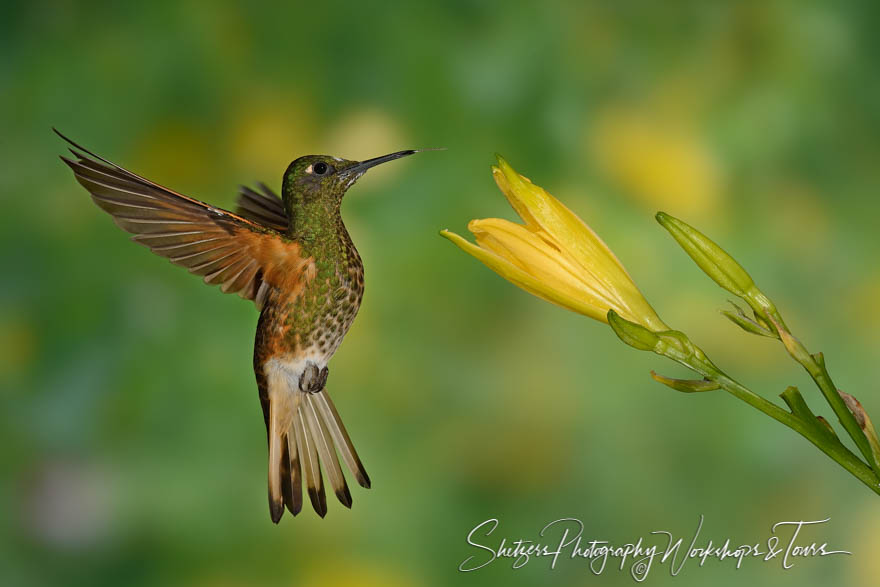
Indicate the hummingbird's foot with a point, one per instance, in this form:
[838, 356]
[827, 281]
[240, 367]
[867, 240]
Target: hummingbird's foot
[313, 379]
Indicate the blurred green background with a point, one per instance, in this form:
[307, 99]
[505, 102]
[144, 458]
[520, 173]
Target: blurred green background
[132, 447]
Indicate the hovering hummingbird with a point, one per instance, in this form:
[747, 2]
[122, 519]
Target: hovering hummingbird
[294, 258]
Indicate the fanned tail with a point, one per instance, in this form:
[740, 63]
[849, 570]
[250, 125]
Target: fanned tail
[305, 433]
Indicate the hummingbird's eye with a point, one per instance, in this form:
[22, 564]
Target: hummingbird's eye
[320, 168]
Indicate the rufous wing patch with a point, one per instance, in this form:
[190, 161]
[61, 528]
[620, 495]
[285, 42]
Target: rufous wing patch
[239, 254]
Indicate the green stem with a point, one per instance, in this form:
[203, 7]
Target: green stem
[675, 345]
[833, 448]
[819, 374]
[815, 366]
[830, 446]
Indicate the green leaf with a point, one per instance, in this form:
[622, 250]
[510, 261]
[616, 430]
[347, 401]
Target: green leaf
[686, 385]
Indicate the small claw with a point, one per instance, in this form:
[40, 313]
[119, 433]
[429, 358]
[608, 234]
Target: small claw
[312, 380]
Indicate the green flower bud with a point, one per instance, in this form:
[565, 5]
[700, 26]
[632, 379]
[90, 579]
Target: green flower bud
[712, 259]
[723, 269]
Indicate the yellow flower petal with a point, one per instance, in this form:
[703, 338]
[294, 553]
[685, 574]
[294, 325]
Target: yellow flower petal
[557, 220]
[538, 257]
[485, 240]
[518, 205]
[539, 209]
[521, 279]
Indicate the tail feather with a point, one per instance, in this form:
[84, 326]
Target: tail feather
[276, 436]
[311, 464]
[291, 476]
[305, 433]
[326, 452]
[331, 418]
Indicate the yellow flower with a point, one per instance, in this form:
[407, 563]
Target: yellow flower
[554, 255]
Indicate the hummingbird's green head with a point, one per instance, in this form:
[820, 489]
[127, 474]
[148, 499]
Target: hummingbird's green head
[322, 179]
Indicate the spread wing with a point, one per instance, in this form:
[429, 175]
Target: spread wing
[241, 255]
[263, 207]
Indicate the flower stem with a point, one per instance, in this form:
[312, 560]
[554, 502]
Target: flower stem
[828, 444]
[675, 345]
[815, 366]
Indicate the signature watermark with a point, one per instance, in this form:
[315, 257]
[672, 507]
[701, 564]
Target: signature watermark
[564, 540]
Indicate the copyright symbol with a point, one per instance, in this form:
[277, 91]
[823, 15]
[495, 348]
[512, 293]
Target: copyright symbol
[640, 569]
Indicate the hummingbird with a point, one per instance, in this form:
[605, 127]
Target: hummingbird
[293, 257]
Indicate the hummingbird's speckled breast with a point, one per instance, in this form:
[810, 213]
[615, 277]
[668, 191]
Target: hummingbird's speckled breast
[320, 316]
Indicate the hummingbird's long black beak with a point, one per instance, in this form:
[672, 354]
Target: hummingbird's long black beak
[361, 167]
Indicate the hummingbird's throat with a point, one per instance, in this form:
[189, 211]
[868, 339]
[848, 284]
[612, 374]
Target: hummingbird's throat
[315, 222]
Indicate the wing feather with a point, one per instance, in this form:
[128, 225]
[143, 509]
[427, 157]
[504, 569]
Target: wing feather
[244, 253]
[266, 208]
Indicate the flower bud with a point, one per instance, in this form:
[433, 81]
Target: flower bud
[712, 259]
[554, 254]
